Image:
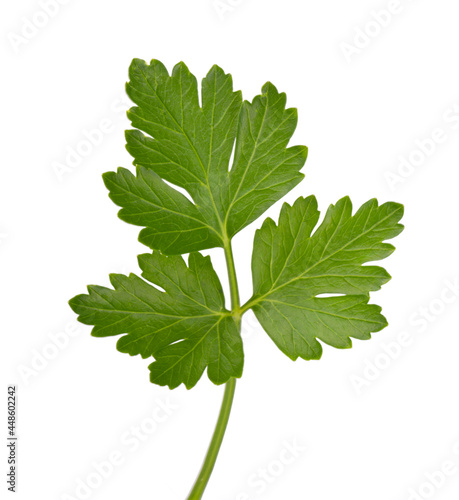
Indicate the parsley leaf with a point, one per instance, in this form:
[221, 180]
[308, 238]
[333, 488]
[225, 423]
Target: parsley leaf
[190, 146]
[187, 197]
[185, 327]
[292, 268]
[183, 141]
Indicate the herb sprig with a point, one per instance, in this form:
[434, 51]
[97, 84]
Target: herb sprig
[175, 312]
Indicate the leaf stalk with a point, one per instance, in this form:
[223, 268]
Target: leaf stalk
[230, 387]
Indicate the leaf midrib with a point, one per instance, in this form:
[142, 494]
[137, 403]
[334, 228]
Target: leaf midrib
[192, 147]
[181, 214]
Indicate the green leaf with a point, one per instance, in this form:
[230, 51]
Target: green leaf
[207, 165]
[190, 145]
[168, 216]
[184, 326]
[292, 267]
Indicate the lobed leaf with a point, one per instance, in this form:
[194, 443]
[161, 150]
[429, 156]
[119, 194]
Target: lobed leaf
[190, 145]
[292, 267]
[185, 326]
[310, 285]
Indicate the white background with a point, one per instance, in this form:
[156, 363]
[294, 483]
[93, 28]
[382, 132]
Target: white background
[357, 114]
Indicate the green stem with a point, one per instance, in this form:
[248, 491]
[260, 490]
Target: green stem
[214, 447]
[222, 422]
[234, 290]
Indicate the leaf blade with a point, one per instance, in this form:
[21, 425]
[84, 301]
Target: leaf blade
[172, 222]
[294, 267]
[187, 314]
[190, 146]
